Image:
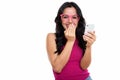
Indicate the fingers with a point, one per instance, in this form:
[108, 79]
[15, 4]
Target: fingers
[70, 32]
[70, 29]
[90, 37]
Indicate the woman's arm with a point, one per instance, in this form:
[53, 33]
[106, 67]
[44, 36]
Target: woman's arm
[86, 59]
[58, 61]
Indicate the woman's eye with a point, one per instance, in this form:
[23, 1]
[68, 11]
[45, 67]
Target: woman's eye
[74, 17]
[65, 17]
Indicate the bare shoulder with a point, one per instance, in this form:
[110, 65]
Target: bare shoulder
[51, 36]
[50, 44]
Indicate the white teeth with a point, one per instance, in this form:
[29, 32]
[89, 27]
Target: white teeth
[72, 25]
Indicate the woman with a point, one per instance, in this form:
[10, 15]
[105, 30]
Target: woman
[69, 49]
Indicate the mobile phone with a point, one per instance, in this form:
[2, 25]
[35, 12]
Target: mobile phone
[89, 28]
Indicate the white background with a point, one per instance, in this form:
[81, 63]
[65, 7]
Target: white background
[24, 25]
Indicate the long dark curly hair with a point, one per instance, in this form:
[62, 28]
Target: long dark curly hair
[59, 33]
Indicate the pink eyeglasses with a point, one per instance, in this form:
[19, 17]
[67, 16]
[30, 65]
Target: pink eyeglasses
[66, 17]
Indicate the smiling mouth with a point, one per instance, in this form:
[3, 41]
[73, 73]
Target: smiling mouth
[67, 25]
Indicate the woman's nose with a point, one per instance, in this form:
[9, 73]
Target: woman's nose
[70, 20]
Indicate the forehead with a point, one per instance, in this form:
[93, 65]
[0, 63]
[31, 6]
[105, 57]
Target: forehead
[70, 11]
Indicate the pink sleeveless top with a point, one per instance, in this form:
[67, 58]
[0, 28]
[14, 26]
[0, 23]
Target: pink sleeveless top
[72, 70]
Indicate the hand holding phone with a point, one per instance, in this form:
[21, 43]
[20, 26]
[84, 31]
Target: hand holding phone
[89, 28]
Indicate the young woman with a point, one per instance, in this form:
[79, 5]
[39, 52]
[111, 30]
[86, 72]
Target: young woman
[69, 49]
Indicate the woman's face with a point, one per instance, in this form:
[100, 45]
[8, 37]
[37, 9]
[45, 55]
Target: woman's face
[69, 16]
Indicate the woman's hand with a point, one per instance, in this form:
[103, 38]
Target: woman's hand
[70, 32]
[90, 37]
